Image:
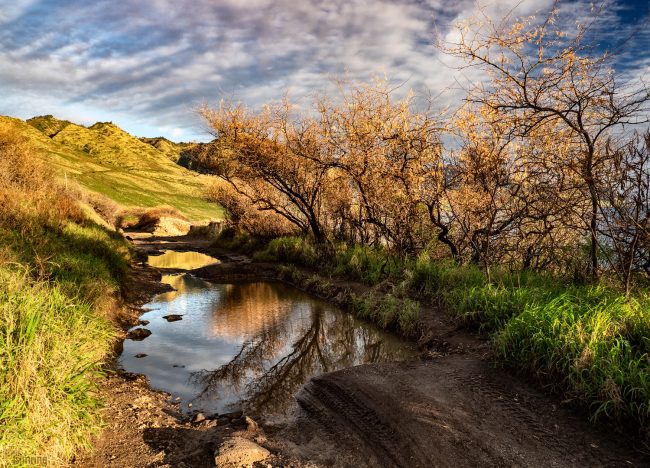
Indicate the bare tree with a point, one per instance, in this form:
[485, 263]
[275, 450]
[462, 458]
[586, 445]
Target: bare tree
[626, 211]
[540, 76]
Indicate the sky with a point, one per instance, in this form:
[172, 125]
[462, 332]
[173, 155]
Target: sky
[147, 64]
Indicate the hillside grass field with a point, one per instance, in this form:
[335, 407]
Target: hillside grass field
[106, 159]
[61, 274]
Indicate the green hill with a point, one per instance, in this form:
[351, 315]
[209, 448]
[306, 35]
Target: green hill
[171, 149]
[106, 159]
[48, 124]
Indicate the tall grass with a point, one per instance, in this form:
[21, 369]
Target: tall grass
[51, 344]
[590, 343]
[59, 275]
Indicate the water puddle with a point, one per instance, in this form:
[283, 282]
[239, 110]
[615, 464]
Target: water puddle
[248, 345]
[181, 260]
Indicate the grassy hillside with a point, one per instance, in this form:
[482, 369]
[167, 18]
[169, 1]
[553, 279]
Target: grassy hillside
[169, 148]
[108, 160]
[60, 276]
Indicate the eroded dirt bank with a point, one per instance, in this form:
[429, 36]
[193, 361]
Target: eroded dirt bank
[450, 408]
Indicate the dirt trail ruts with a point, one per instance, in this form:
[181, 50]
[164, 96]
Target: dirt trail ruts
[453, 411]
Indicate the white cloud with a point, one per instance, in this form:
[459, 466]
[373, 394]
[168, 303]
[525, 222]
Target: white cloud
[152, 62]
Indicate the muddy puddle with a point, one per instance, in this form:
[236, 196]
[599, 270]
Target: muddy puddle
[221, 347]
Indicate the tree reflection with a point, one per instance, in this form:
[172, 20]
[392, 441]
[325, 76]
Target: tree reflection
[270, 366]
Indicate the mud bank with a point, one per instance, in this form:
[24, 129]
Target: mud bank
[449, 408]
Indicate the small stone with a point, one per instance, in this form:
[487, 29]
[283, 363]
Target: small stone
[251, 425]
[235, 452]
[144, 322]
[141, 355]
[173, 317]
[138, 334]
[178, 365]
[198, 417]
[189, 405]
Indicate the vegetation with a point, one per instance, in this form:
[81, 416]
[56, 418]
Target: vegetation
[525, 213]
[105, 159]
[172, 150]
[59, 276]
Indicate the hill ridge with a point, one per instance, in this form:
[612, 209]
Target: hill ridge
[105, 158]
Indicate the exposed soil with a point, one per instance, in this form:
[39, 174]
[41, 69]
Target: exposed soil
[451, 408]
[451, 411]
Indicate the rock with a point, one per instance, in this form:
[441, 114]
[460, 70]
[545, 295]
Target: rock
[143, 322]
[138, 334]
[173, 317]
[223, 420]
[141, 355]
[236, 452]
[251, 425]
[166, 226]
[198, 417]
[238, 423]
[234, 415]
[182, 366]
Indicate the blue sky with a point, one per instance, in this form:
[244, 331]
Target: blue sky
[147, 64]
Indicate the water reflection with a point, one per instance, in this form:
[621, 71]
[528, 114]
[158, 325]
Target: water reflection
[181, 260]
[251, 344]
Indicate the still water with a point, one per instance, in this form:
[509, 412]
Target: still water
[181, 260]
[248, 345]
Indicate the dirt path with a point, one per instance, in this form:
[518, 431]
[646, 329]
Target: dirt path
[452, 411]
[449, 409]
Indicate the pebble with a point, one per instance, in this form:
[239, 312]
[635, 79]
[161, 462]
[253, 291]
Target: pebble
[251, 425]
[173, 317]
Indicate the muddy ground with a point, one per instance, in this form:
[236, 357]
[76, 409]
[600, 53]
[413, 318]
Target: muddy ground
[449, 408]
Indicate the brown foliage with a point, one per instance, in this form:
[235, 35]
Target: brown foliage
[28, 193]
[527, 180]
[247, 218]
[140, 218]
[545, 80]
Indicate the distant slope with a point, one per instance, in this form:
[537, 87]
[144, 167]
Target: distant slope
[169, 148]
[48, 124]
[106, 159]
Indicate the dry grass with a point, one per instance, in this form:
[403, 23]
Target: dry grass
[145, 218]
[57, 272]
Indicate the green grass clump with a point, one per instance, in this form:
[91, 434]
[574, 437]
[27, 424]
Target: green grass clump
[388, 311]
[589, 342]
[59, 275]
[367, 264]
[293, 250]
[51, 346]
[56, 290]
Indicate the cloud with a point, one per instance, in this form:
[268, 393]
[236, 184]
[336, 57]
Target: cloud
[147, 64]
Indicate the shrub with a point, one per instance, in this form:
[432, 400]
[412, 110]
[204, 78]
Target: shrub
[143, 218]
